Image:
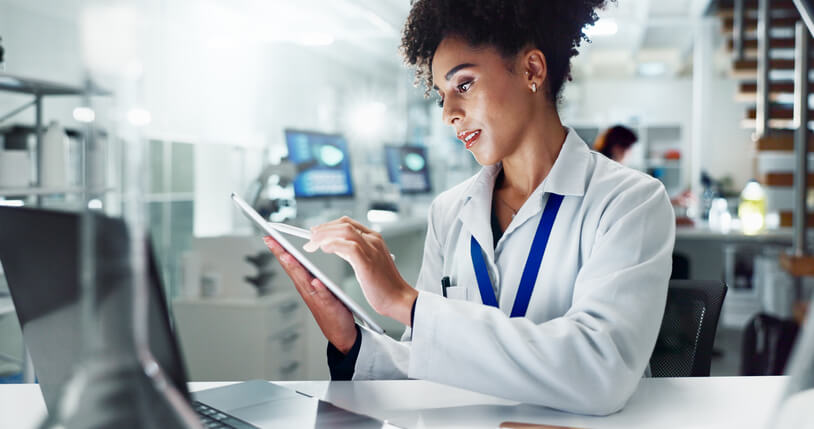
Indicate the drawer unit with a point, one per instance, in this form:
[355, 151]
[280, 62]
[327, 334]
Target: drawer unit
[242, 339]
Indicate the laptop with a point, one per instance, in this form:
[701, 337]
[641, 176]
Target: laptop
[39, 252]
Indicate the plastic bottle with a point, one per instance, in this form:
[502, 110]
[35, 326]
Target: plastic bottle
[54, 167]
[752, 208]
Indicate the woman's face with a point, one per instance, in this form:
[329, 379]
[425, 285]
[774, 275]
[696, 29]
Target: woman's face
[488, 105]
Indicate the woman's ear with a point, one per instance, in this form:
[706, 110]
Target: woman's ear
[535, 68]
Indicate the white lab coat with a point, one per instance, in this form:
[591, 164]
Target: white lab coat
[597, 305]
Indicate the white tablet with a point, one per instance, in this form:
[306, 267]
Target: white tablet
[290, 248]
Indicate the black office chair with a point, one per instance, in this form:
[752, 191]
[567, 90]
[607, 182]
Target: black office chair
[684, 345]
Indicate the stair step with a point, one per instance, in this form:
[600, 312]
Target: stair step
[777, 112]
[774, 43]
[782, 179]
[775, 86]
[727, 10]
[786, 219]
[783, 125]
[750, 65]
[779, 92]
[797, 266]
[750, 23]
[783, 142]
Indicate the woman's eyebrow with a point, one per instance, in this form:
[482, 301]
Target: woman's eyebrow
[454, 70]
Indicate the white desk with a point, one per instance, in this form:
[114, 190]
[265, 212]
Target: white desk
[715, 402]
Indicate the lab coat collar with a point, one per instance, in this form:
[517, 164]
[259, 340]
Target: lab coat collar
[567, 177]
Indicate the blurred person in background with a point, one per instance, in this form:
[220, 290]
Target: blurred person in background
[616, 142]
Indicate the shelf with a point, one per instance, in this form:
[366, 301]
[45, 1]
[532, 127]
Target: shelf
[25, 85]
[19, 192]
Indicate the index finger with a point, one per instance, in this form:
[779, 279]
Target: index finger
[345, 219]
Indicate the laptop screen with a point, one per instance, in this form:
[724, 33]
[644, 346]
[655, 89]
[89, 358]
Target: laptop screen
[39, 251]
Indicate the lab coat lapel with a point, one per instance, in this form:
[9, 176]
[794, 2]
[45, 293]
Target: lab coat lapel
[568, 176]
[476, 215]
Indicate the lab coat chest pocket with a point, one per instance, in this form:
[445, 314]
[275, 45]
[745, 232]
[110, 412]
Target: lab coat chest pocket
[457, 292]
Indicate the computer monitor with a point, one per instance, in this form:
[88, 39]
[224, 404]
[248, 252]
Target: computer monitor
[408, 167]
[323, 164]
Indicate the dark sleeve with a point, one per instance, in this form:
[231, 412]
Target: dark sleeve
[342, 365]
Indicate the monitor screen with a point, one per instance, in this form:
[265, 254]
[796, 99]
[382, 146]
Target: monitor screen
[323, 164]
[408, 167]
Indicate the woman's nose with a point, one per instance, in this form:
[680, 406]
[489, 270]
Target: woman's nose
[452, 112]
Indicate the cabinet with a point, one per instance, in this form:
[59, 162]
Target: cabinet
[242, 338]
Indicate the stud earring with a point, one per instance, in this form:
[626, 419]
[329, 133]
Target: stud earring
[534, 87]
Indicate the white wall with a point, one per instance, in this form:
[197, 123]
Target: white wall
[44, 47]
[726, 149]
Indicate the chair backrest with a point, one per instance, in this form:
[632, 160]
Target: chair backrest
[684, 344]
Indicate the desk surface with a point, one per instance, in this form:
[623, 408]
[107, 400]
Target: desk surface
[713, 402]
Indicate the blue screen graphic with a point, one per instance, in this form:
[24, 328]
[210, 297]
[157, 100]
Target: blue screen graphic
[323, 162]
[408, 167]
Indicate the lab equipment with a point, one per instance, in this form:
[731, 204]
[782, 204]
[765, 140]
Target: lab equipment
[269, 194]
[316, 272]
[408, 167]
[323, 164]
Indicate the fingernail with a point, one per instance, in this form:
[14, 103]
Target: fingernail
[310, 246]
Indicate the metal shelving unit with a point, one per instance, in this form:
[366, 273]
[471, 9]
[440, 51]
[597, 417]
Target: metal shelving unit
[40, 89]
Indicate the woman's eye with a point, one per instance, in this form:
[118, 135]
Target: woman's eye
[464, 86]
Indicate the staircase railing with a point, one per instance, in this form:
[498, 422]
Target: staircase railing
[806, 11]
[801, 133]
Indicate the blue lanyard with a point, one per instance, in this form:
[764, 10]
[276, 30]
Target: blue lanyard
[529, 277]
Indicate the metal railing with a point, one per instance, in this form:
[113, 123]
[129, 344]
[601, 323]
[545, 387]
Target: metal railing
[801, 133]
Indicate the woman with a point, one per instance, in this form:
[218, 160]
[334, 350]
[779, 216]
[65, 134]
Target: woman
[557, 259]
[616, 142]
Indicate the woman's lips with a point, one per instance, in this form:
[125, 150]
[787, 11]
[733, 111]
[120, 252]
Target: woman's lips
[469, 137]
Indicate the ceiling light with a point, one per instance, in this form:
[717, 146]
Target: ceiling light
[84, 114]
[603, 27]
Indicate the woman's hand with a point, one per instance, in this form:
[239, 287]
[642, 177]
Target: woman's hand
[364, 249]
[333, 318]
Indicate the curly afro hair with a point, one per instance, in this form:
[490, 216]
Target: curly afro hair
[555, 27]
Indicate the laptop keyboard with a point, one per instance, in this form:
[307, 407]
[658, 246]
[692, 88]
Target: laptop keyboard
[212, 418]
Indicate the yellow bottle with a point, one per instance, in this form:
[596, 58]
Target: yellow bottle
[752, 208]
